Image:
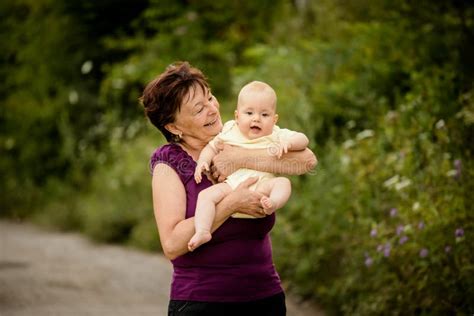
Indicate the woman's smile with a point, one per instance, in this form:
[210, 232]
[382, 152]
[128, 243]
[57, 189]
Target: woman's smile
[211, 123]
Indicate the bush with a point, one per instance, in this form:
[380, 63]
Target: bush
[383, 90]
[119, 196]
[383, 224]
[378, 228]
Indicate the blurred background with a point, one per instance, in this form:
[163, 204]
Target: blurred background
[383, 89]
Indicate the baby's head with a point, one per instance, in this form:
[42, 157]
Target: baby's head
[256, 110]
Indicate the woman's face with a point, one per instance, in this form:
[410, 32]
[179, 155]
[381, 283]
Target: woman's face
[199, 117]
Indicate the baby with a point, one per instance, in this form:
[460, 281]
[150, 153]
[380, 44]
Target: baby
[253, 127]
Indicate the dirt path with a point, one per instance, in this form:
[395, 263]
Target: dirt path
[47, 273]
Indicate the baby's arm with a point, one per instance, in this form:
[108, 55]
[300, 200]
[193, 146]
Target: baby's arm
[204, 161]
[297, 141]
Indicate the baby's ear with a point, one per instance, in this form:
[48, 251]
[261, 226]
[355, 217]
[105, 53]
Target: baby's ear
[236, 114]
[275, 119]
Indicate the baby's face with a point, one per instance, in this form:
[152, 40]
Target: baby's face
[256, 116]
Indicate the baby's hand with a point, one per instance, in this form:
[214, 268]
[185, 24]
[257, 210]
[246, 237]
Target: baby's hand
[200, 168]
[283, 147]
[219, 145]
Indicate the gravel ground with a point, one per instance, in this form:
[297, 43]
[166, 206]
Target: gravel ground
[45, 273]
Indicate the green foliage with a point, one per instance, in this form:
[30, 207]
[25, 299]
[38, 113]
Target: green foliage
[388, 112]
[52, 125]
[116, 204]
[384, 90]
[120, 194]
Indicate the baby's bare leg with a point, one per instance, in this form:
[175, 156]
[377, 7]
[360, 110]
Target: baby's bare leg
[277, 191]
[205, 212]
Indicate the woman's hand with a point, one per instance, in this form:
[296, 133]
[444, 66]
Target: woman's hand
[225, 162]
[247, 201]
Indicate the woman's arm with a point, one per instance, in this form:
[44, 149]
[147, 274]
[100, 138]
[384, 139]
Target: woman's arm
[169, 205]
[232, 158]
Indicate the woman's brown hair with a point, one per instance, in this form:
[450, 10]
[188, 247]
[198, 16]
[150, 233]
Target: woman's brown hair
[163, 96]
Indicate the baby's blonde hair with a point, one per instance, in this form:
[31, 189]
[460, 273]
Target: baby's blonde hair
[257, 87]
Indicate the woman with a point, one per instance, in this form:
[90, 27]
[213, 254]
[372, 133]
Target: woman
[233, 274]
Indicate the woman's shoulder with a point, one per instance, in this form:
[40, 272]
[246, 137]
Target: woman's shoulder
[175, 157]
[165, 152]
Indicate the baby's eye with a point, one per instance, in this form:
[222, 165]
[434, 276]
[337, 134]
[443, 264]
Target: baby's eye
[265, 114]
[248, 113]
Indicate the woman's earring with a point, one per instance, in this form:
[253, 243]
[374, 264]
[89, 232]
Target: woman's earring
[178, 136]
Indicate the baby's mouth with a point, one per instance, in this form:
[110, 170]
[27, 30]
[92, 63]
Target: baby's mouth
[255, 128]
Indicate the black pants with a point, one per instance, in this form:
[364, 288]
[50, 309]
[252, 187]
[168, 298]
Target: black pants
[270, 306]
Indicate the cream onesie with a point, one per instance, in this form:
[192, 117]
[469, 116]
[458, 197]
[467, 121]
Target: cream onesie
[231, 135]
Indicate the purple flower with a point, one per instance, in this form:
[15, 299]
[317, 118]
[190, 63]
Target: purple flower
[403, 240]
[400, 229]
[458, 167]
[386, 250]
[421, 225]
[373, 232]
[424, 252]
[447, 249]
[457, 163]
[459, 232]
[368, 262]
[393, 212]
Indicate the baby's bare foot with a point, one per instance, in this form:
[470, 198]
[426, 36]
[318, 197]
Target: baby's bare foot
[268, 205]
[198, 239]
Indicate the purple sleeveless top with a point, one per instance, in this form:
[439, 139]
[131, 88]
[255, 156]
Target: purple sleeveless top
[236, 265]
